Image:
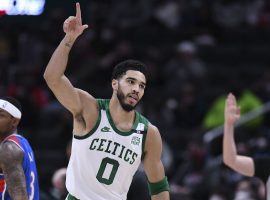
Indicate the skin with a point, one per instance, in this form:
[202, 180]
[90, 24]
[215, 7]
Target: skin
[241, 164]
[11, 157]
[127, 90]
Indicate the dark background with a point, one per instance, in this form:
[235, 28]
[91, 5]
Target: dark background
[197, 51]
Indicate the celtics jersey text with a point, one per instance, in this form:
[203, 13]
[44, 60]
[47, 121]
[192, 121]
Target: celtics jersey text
[103, 162]
[29, 169]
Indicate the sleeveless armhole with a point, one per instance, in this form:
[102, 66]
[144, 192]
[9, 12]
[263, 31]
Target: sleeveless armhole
[100, 106]
[143, 120]
[14, 140]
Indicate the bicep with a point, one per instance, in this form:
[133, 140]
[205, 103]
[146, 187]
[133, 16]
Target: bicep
[152, 161]
[11, 164]
[66, 94]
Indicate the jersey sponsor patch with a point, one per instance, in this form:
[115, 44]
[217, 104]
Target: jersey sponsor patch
[135, 140]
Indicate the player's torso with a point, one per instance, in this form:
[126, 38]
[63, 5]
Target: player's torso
[29, 168]
[102, 165]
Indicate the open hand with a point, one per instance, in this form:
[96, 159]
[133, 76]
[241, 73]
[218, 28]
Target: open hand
[232, 111]
[73, 25]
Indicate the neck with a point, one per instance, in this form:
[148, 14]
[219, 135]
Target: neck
[119, 115]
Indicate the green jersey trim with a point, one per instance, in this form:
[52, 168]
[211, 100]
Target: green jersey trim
[105, 105]
[123, 133]
[95, 127]
[146, 123]
[70, 197]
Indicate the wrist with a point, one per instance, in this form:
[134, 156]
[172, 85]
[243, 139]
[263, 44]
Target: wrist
[69, 41]
[228, 125]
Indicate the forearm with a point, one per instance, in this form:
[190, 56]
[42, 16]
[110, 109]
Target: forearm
[11, 157]
[58, 62]
[241, 164]
[161, 196]
[229, 146]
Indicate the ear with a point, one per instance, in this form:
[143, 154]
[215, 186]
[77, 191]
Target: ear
[115, 84]
[15, 122]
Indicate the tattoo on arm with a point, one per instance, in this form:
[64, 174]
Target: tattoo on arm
[11, 157]
[68, 44]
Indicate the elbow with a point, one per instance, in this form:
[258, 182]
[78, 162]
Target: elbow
[50, 78]
[228, 161]
[46, 76]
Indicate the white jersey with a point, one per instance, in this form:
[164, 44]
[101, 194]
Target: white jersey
[103, 162]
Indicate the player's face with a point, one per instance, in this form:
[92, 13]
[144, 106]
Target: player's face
[6, 121]
[131, 89]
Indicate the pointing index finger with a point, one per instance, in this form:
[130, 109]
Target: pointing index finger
[78, 12]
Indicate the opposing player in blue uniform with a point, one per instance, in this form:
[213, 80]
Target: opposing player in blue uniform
[18, 174]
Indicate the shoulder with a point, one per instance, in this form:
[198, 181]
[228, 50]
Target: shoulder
[10, 153]
[153, 131]
[153, 138]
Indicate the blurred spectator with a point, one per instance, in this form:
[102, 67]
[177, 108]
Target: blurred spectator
[183, 67]
[58, 190]
[232, 14]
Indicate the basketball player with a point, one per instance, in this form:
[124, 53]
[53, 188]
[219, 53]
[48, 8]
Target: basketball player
[110, 137]
[18, 174]
[245, 165]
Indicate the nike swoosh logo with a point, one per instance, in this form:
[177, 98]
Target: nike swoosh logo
[106, 129]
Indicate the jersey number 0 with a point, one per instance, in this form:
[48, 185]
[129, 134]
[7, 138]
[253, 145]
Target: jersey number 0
[107, 170]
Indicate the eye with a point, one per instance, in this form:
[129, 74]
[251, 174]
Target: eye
[142, 87]
[130, 81]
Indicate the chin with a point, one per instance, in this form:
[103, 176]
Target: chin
[128, 107]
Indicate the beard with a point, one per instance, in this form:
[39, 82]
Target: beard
[121, 98]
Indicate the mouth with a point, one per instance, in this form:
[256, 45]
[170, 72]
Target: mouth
[133, 98]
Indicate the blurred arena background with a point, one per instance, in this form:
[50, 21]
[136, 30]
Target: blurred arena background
[197, 52]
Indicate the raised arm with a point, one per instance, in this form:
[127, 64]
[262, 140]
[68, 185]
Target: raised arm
[11, 157]
[241, 164]
[54, 75]
[153, 166]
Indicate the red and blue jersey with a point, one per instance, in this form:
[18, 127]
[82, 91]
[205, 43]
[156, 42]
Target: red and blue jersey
[29, 168]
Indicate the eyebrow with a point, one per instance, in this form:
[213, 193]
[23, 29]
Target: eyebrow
[134, 79]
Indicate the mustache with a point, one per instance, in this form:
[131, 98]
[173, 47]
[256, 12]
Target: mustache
[133, 95]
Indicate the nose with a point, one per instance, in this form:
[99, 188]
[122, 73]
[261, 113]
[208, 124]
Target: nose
[136, 88]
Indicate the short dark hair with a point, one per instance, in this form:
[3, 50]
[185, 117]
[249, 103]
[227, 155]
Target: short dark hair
[13, 101]
[121, 68]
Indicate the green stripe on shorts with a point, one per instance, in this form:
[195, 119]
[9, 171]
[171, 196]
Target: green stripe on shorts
[70, 197]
